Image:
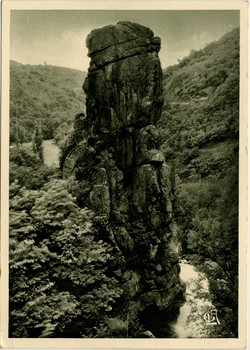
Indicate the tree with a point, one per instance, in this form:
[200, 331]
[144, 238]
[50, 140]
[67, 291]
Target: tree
[60, 279]
[37, 142]
[27, 169]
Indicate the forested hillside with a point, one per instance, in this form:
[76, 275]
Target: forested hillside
[201, 106]
[200, 130]
[66, 273]
[45, 95]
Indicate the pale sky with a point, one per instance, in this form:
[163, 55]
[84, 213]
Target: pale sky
[58, 36]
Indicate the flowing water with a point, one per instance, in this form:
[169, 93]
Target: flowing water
[191, 322]
[50, 153]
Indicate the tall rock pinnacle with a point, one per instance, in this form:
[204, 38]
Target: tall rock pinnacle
[114, 154]
[124, 87]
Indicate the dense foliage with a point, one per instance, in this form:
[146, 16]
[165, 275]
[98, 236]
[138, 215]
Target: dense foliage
[199, 129]
[65, 278]
[202, 106]
[60, 284]
[43, 94]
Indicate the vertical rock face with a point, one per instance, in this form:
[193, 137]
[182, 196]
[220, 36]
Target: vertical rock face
[114, 152]
[124, 89]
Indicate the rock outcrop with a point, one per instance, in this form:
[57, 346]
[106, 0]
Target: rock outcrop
[114, 153]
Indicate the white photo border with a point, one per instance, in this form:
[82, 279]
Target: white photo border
[50, 343]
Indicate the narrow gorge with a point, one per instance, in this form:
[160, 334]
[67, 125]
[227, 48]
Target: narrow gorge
[124, 189]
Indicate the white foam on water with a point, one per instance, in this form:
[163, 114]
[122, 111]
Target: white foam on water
[190, 322]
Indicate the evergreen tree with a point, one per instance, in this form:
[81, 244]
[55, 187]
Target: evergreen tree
[37, 142]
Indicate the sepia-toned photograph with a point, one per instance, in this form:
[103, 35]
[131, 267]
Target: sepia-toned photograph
[122, 147]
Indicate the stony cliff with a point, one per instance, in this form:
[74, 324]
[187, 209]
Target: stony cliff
[114, 154]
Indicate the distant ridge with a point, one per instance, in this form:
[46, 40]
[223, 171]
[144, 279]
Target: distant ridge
[45, 65]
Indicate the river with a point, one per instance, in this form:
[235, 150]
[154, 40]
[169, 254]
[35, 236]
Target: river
[191, 321]
[50, 153]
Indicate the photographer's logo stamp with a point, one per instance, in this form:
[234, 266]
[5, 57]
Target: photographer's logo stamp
[211, 317]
